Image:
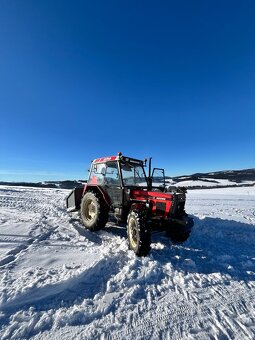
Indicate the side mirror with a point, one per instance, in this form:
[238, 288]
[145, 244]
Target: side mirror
[103, 171]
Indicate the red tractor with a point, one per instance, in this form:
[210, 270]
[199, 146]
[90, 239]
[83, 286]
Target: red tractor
[118, 187]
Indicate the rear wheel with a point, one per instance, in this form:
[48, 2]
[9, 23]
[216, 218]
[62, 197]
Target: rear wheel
[139, 236]
[94, 213]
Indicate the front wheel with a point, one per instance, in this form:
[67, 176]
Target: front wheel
[139, 236]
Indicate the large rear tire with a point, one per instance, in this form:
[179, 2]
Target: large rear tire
[94, 213]
[139, 236]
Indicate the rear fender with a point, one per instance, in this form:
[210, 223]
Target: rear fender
[97, 189]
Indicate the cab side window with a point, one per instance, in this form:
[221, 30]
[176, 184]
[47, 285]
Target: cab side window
[97, 174]
[112, 174]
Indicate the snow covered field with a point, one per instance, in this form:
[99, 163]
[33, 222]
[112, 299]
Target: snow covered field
[209, 182]
[58, 280]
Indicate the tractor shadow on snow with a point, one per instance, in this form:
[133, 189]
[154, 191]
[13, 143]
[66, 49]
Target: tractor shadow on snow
[214, 246]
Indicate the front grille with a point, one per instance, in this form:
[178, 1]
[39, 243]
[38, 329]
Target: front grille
[178, 205]
[160, 207]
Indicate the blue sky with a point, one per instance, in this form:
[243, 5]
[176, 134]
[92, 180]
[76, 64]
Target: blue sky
[174, 80]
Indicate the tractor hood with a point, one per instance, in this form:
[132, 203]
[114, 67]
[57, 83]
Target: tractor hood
[140, 194]
[163, 204]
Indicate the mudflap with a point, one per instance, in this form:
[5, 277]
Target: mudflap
[73, 200]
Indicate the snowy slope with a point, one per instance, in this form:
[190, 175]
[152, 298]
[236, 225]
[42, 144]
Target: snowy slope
[245, 177]
[58, 280]
[208, 182]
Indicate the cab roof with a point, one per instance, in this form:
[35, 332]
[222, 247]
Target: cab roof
[117, 158]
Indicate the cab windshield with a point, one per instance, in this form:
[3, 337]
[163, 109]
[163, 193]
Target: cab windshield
[133, 174]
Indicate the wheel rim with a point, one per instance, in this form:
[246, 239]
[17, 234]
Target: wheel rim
[133, 236]
[90, 210]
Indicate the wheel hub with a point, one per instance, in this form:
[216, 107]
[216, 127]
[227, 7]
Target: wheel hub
[133, 234]
[90, 210]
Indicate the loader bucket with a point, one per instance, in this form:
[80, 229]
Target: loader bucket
[73, 200]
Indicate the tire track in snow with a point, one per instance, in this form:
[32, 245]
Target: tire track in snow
[176, 314]
[14, 254]
[60, 296]
[44, 205]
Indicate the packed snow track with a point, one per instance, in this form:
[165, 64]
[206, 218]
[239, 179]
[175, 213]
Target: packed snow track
[58, 280]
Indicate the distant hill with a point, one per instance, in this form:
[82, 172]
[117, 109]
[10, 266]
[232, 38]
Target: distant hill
[226, 178]
[237, 176]
[67, 184]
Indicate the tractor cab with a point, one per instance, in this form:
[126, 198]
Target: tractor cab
[125, 172]
[121, 171]
[117, 177]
